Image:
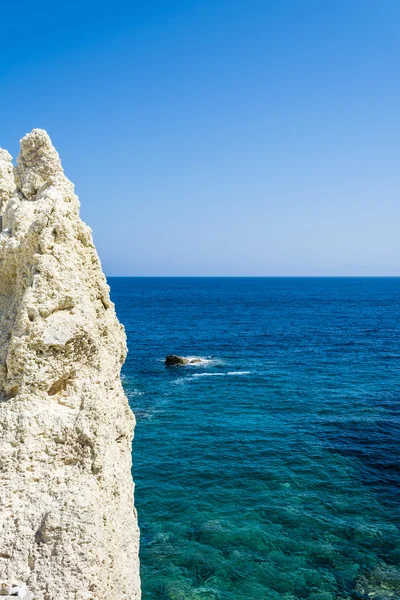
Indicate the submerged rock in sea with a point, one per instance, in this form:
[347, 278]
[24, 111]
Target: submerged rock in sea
[174, 360]
[68, 525]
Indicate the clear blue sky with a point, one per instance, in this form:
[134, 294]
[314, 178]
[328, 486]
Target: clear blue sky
[218, 137]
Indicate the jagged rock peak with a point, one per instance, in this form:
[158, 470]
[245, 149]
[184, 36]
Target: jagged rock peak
[68, 527]
[38, 163]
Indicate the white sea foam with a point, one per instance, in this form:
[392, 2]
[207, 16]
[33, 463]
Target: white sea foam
[195, 375]
[131, 393]
[198, 360]
[238, 372]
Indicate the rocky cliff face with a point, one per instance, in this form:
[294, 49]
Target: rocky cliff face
[68, 529]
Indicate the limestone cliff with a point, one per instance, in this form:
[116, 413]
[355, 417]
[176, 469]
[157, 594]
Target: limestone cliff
[68, 529]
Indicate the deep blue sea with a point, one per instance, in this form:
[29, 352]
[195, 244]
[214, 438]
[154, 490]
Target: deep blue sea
[272, 470]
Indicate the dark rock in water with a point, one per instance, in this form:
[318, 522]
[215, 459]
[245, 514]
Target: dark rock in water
[173, 360]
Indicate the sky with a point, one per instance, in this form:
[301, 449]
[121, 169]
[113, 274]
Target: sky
[217, 137]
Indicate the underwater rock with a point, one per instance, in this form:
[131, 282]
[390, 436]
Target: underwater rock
[68, 524]
[382, 583]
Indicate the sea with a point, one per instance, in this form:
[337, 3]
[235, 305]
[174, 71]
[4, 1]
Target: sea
[271, 469]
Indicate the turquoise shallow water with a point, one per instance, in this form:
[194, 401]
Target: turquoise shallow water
[272, 471]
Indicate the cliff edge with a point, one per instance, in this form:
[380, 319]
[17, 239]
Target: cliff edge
[68, 528]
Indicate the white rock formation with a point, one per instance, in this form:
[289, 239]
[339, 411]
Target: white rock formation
[68, 528]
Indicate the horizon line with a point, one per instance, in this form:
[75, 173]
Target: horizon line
[253, 276]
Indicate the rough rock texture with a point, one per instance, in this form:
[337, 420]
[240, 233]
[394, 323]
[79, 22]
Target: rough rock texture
[68, 529]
